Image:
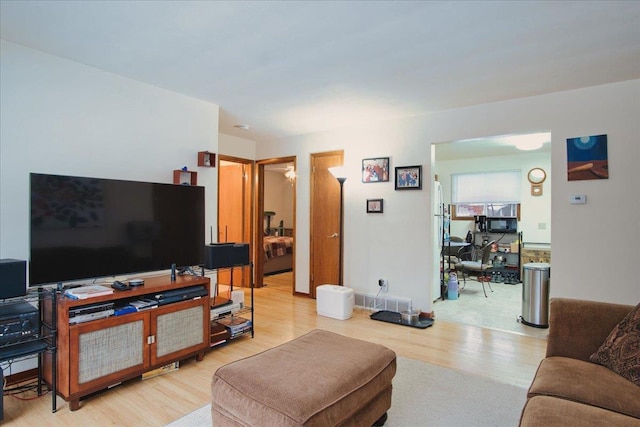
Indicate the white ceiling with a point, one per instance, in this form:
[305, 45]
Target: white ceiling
[290, 68]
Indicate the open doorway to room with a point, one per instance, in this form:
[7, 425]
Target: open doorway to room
[455, 161]
[275, 223]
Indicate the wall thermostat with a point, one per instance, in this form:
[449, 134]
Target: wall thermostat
[578, 199]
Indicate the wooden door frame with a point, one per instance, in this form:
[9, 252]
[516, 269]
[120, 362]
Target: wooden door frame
[248, 206]
[258, 218]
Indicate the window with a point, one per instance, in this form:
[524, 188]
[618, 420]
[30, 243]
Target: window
[495, 194]
[467, 212]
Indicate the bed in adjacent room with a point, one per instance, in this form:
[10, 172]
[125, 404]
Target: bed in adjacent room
[278, 254]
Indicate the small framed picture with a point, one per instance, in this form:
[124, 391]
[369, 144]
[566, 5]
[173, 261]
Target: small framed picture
[409, 178]
[374, 206]
[375, 170]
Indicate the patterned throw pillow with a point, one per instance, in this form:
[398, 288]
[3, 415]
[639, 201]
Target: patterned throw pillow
[620, 352]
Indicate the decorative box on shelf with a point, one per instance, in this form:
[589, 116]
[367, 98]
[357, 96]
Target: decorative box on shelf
[206, 159]
[185, 177]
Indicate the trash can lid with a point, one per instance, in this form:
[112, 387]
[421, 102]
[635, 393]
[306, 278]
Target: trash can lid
[537, 266]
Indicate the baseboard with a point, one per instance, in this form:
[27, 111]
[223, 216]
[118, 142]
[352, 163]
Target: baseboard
[382, 302]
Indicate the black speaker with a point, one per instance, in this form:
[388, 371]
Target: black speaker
[13, 278]
[223, 255]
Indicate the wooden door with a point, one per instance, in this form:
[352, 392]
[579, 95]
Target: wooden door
[234, 211]
[325, 220]
[230, 208]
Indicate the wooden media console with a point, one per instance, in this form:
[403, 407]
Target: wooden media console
[97, 354]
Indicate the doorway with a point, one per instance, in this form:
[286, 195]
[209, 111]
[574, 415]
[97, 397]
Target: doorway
[482, 155]
[325, 220]
[234, 212]
[275, 220]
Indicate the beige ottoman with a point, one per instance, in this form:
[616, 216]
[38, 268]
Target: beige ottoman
[319, 379]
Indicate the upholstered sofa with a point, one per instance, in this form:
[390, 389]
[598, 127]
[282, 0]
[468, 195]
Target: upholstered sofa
[569, 388]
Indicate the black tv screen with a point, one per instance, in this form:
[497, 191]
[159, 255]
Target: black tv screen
[86, 228]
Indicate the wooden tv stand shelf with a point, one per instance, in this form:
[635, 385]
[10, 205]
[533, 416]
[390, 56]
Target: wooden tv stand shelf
[97, 354]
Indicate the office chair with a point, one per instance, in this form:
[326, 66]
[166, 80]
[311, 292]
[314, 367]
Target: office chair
[481, 267]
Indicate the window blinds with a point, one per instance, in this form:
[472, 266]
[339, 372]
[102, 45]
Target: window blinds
[486, 187]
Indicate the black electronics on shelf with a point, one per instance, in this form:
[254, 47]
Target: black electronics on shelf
[27, 332]
[13, 278]
[225, 255]
[227, 325]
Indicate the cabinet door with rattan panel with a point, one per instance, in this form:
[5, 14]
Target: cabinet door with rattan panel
[104, 352]
[179, 330]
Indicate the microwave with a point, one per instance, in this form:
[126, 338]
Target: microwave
[502, 225]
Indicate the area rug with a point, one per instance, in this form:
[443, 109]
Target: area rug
[428, 395]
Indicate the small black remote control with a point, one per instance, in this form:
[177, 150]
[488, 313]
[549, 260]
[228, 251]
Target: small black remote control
[120, 286]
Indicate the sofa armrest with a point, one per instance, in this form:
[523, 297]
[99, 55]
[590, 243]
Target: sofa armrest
[577, 328]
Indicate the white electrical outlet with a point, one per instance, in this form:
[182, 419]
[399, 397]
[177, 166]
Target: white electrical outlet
[384, 284]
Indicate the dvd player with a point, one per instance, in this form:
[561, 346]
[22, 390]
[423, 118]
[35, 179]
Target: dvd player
[87, 309]
[90, 316]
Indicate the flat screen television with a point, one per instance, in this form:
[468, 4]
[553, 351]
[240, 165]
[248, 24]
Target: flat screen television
[87, 228]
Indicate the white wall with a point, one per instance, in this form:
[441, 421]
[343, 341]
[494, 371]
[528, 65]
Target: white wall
[59, 116]
[397, 244]
[242, 148]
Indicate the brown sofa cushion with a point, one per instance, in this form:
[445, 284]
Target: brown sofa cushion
[318, 379]
[588, 383]
[620, 352]
[578, 327]
[553, 412]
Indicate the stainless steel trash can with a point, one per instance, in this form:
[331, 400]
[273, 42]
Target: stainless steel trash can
[535, 294]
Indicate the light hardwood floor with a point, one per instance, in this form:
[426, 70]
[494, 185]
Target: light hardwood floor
[280, 317]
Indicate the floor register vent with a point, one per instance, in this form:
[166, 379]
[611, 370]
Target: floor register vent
[375, 303]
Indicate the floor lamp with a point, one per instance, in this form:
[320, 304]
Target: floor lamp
[339, 173]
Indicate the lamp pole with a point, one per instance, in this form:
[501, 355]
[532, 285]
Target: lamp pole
[339, 173]
[341, 180]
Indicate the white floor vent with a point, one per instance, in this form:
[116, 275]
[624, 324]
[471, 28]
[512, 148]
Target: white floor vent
[375, 303]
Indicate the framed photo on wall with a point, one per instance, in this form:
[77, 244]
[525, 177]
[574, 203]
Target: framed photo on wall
[409, 178]
[375, 170]
[375, 206]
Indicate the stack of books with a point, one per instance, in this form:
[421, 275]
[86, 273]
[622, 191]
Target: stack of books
[219, 334]
[236, 325]
[84, 292]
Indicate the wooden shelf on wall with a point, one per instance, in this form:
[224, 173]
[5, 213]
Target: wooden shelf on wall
[206, 159]
[183, 177]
